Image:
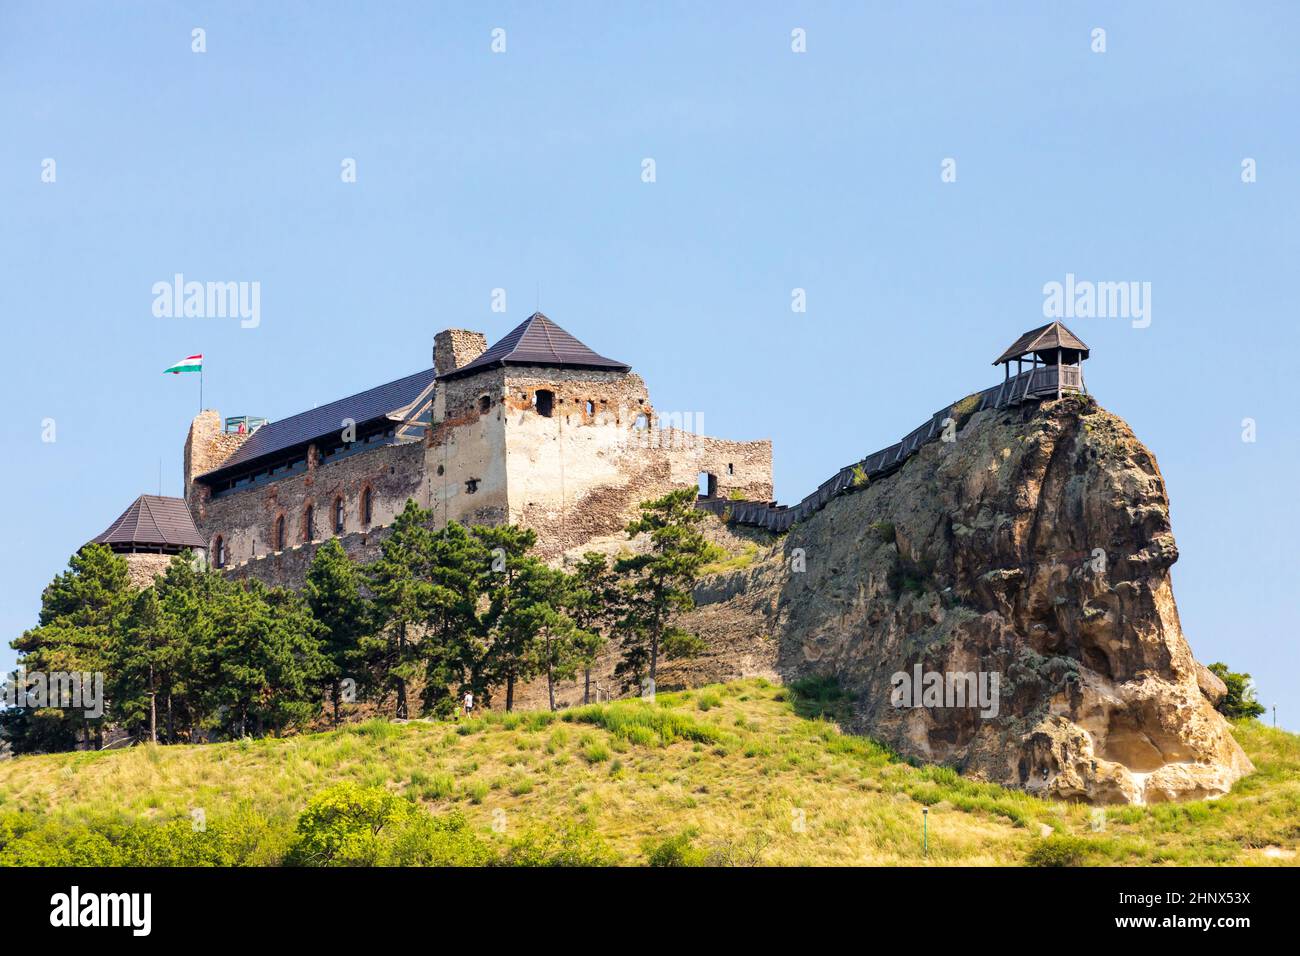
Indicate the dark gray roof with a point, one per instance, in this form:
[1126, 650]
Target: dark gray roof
[306, 427]
[1049, 336]
[156, 521]
[538, 341]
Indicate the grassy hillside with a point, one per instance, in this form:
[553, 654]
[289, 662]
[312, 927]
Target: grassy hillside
[742, 773]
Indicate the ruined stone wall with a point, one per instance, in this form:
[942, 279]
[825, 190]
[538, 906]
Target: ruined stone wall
[581, 472]
[288, 568]
[453, 348]
[246, 519]
[207, 446]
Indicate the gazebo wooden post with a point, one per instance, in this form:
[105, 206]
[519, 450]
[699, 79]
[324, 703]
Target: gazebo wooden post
[1058, 372]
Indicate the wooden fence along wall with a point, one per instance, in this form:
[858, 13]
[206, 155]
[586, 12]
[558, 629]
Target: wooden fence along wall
[1036, 383]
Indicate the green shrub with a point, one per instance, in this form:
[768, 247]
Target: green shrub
[340, 825]
[595, 752]
[1058, 850]
[708, 700]
[570, 845]
[619, 719]
[678, 850]
[439, 787]
[425, 840]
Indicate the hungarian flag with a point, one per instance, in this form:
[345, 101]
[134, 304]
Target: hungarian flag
[191, 363]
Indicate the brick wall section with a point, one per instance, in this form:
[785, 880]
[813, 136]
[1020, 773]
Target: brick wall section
[246, 519]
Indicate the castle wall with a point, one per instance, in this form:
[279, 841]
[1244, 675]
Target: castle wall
[581, 473]
[489, 457]
[246, 519]
[466, 456]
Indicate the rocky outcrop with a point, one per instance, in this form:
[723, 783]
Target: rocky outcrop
[1031, 556]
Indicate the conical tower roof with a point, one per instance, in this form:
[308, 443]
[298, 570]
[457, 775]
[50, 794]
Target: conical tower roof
[538, 341]
[156, 522]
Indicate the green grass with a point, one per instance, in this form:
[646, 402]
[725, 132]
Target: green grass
[737, 774]
[722, 561]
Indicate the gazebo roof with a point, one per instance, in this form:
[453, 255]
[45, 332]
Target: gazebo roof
[1044, 338]
[154, 521]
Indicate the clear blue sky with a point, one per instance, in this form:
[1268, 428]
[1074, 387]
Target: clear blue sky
[775, 170]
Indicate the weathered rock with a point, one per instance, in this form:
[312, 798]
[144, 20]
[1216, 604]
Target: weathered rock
[1035, 548]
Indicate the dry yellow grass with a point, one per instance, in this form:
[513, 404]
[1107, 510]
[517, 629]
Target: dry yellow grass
[745, 774]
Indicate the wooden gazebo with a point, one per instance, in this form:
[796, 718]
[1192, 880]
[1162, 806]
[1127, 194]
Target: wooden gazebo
[1055, 357]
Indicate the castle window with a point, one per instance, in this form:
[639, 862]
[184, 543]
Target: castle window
[309, 524]
[278, 537]
[708, 485]
[338, 515]
[484, 403]
[219, 552]
[544, 402]
[591, 407]
[366, 505]
[642, 422]
[471, 486]
[731, 469]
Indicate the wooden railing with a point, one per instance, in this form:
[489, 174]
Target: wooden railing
[1031, 385]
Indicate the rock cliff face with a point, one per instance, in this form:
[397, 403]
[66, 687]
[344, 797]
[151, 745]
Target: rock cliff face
[1034, 551]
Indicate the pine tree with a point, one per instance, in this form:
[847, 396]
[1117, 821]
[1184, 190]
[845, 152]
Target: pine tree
[661, 582]
[454, 649]
[333, 593]
[268, 660]
[402, 602]
[511, 628]
[594, 603]
[80, 610]
[139, 652]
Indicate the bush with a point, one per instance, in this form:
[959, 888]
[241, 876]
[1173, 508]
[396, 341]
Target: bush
[620, 719]
[1059, 850]
[112, 842]
[676, 850]
[424, 840]
[595, 752]
[438, 787]
[341, 825]
[571, 845]
[708, 700]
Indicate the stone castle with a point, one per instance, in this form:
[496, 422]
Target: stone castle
[538, 430]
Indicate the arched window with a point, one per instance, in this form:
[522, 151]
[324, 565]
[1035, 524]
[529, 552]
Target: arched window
[278, 538]
[338, 515]
[366, 499]
[219, 552]
[544, 402]
[309, 524]
[485, 403]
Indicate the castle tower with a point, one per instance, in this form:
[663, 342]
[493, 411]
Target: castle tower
[149, 533]
[542, 430]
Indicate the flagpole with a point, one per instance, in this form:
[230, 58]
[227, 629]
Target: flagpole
[200, 387]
